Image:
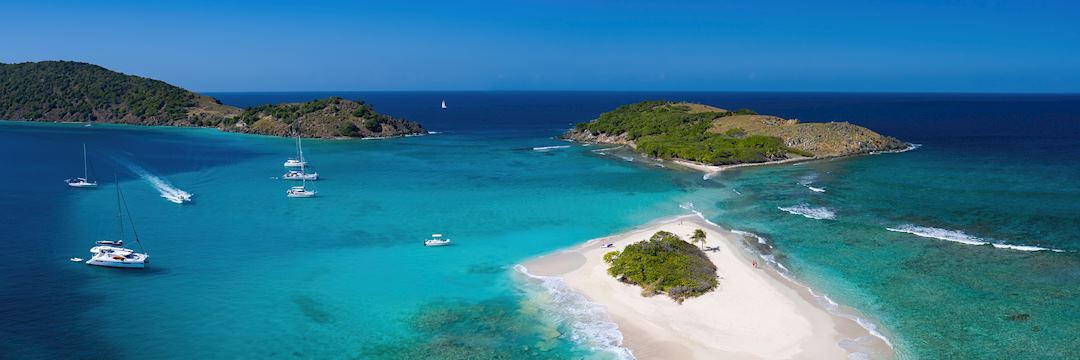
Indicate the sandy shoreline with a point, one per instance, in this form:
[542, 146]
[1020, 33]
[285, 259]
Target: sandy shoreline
[753, 313]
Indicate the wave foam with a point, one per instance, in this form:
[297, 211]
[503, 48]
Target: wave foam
[958, 236]
[819, 213]
[589, 322]
[546, 148]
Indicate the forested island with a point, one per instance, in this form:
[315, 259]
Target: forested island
[664, 264]
[69, 91]
[714, 136]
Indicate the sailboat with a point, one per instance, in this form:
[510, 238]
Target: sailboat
[298, 161]
[300, 191]
[112, 253]
[82, 182]
[444, 104]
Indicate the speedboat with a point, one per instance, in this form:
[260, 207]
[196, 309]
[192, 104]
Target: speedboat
[300, 175]
[82, 182]
[178, 197]
[111, 256]
[299, 192]
[437, 240]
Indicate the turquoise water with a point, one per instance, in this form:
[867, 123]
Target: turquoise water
[244, 272]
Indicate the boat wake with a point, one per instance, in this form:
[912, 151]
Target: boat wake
[818, 213]
[589, 322]
[167, 190]
[961, 237]
[814, 189]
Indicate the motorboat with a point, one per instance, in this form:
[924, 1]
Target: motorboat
[178, 197]
[84, 181]
[300, 175]
[437, 240]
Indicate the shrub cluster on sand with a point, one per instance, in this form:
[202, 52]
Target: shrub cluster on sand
[664, 264]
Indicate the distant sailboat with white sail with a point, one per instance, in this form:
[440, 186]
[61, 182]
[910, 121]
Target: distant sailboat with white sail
[84, 181]
[444, 104]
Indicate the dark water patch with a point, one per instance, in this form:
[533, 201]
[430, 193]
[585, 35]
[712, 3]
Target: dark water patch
[486, 269]
[493, 329]
[312, 309]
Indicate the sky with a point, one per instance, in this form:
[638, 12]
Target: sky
[752, 45]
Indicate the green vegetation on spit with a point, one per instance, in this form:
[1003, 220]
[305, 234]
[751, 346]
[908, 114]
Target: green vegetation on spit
[664, 264]
[665, 129]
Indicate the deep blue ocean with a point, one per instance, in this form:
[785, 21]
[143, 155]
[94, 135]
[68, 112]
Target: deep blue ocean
[966, 247]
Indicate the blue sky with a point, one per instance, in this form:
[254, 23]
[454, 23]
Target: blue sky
[777, 45]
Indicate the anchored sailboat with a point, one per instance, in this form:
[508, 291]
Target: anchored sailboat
[298, 161]
[112, 253]
[302, 190]
[84, 181]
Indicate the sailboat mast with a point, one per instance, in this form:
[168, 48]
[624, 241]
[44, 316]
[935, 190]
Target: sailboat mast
[132, 220]
[119, 210]
[300, 148]
[84, 172]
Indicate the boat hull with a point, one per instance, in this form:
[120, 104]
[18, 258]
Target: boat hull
[116, 264]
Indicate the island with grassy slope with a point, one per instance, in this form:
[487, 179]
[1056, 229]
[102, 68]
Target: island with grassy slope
[708, 138]
[66, 91]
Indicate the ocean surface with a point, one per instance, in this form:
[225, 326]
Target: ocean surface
[966, 247]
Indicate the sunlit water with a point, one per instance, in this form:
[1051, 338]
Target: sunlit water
[245, 272]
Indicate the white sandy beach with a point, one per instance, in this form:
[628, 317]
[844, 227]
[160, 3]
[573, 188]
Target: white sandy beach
[753, 313]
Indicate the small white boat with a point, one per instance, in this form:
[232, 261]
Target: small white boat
[111, 253]
[76, 259]
[179, 197]
[299, 192]
[444, 104]
[294, 163]
[300, 175]
[437, 240]
[82, 182]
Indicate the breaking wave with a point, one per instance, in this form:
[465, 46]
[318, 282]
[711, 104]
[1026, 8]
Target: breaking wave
[961, 237]
[819, 213]
[589, 322]
[546, 148]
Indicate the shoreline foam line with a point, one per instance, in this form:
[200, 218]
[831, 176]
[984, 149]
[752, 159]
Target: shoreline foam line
[961, 237]
[589, 322]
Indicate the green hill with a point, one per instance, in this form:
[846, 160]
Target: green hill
[715, 136]
[81, 92]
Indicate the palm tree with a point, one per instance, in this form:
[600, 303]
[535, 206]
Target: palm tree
[698, 237]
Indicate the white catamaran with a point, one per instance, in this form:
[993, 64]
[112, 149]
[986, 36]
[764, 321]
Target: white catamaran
[298, 161]
[112, 253]
[300, 191]
[84, 181]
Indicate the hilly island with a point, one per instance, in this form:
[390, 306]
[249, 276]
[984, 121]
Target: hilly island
[705, 137]
[80, 92]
